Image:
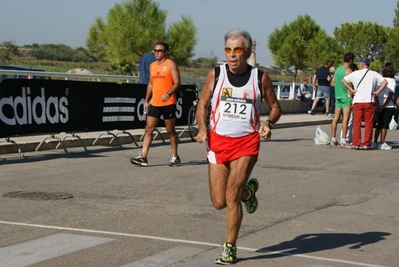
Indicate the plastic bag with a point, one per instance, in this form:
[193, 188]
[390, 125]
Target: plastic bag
[321, 137]
[393, 125]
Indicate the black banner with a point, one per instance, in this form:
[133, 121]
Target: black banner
[52, 106]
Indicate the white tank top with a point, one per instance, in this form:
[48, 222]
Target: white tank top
[236, 110]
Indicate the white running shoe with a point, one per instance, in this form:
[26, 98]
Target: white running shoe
[384, 146]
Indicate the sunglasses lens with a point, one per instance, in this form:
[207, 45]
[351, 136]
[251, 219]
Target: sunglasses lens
[236, 50]
[239, 50]
[227, 50]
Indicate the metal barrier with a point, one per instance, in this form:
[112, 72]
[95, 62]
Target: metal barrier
[280, 90]
[49, 107]
[88, 77]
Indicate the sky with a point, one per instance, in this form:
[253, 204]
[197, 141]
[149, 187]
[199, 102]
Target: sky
[25, 22]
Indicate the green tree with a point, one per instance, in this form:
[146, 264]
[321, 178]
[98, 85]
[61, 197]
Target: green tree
[300, 44]
[364, 39]
[181, 38]
[396, 18]
[323, 48]
[391, 51]
[376, 65]
[133, 27]
[8, 50]
[95, 43]
[61, 52]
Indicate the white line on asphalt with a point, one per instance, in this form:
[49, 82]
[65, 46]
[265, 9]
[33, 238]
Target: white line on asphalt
[38, 250]
[187, 242]
[167, 257]
[110, 233]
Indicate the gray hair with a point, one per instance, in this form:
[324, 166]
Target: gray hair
[239, 33]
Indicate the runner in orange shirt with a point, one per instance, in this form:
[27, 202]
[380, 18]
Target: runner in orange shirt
[160, 101]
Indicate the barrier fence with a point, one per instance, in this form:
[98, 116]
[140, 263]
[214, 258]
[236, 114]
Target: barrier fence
[35, 106]
[74, 103]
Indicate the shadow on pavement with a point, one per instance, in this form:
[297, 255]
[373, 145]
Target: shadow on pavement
[308, 243]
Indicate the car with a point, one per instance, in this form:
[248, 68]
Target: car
[285, 91]
[18, 76]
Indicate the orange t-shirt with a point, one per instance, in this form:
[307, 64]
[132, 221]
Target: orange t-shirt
[162, 82]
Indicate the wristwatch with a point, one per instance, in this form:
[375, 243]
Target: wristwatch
[169, 93]
[271, 124]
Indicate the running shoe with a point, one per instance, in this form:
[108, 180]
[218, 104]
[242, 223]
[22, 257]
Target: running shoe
[139, 160]
[228, 256]
[345, 144]
[375, 145]
[384, 146]
[251, 204]
[334, 142]
[175, 161]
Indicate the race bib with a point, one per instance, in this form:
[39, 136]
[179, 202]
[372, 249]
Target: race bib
[235, 109]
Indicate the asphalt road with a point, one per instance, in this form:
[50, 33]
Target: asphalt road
[319, 206]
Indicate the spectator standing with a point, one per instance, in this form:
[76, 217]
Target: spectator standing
[343, 101]
[349, 133]
[235, 91]
[385, 108]
[303, 94]
[323, 87]
[161, 89]
[144, 67]
[364, 82]
[332, 89]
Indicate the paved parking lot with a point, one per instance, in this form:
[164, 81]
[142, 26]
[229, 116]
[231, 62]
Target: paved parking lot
[319, 206]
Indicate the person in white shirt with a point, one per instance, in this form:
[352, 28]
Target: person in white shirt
[364, 82]
[385, 108]
[235, 91]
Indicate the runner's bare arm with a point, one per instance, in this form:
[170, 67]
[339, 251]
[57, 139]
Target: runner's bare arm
[202, 106]
[175, 76]
[148, 94]
[275, 110]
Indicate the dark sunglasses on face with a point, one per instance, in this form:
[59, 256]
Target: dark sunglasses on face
[236, 50]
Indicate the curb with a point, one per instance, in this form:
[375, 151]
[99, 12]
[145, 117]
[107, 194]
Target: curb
[301, 123]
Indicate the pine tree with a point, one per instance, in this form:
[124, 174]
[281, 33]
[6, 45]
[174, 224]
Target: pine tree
[396, 18]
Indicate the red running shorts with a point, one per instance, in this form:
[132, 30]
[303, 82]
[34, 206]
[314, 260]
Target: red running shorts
[224, 149]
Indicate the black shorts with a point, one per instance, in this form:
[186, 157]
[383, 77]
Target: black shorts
[384, 118]
[168, 112]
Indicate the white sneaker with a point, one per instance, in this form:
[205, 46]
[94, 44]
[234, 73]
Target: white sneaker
[334, 142]
[384, 146]
[375, 145]
[346, 144]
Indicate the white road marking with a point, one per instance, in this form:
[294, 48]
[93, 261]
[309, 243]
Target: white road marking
[187, 242]
[46, 248]
[316, 265]
[166, 257]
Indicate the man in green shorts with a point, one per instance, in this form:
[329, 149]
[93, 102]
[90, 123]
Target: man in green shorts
[343, 102]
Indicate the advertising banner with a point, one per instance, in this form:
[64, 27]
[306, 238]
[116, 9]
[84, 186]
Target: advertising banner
[52, 106]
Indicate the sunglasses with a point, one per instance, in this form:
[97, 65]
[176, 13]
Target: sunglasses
[159, 50]
[236, 50]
